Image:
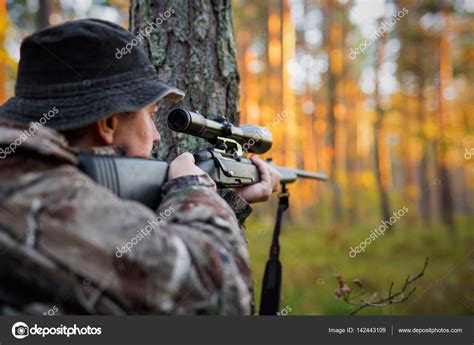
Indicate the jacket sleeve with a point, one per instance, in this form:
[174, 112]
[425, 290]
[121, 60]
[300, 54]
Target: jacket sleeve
[212, 271]
[239, 205]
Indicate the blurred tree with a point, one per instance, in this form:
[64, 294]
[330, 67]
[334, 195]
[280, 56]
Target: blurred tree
[42, 17]
[3, 53]
[415, 46]
[332, 32]
[379, 149]
[193, 49]
[445, 74]
[349, 97]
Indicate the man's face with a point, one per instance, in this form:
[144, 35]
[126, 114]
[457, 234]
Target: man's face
[136, 132]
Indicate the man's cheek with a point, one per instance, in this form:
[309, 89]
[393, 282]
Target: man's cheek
[137, 147]
[138, 136]
[144, 141]
[146, 135]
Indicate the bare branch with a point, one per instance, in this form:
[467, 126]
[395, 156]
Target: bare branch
[399, 297]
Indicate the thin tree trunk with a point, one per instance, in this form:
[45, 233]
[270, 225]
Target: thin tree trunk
[349, 98]
[378, 135]
[446, 202]
[409, 162]
[194, 50]
[42, 17]
[331, 118]
[3, 55]
[424, 200]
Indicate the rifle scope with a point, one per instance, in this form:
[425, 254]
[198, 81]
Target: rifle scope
[253, 138]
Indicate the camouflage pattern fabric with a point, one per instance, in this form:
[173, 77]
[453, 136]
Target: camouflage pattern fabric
[67, 242]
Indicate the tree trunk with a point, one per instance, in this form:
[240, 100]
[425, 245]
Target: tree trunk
[378, 135]
[42, 17]
[445, 72]
[425, 191]
[331, 118]
[3, 53]
[194, 50]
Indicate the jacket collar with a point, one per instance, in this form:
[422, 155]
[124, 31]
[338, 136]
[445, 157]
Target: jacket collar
[43, 141]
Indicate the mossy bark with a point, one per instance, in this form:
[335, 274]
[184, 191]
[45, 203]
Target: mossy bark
[194, 50]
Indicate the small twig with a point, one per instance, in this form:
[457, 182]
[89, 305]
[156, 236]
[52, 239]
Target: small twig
[398, 297]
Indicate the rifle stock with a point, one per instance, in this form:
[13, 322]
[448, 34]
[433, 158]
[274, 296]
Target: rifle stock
[134, 179]
[141, 179]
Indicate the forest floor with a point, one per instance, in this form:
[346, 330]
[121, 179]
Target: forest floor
[313, 255]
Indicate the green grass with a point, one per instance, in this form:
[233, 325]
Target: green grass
[313, 255]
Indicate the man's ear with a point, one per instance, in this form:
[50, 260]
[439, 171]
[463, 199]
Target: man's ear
[106, 128]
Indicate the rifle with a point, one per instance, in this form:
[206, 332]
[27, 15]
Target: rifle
[141, 179]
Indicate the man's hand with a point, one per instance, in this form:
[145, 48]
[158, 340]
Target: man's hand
[269, 182]
[183, 165]
[269, 177]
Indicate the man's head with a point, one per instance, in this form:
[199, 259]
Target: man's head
[132, 132]
[99, 99]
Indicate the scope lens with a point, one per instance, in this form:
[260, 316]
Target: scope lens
[178, 120]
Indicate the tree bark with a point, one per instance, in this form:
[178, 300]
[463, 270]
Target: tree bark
[42, 17]
[194, 50]
[332, 81]
[378, 135]
[3, 54]
[425, 191]
[445, 70]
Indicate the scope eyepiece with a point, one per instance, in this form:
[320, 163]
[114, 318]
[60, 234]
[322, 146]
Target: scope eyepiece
[179, 120]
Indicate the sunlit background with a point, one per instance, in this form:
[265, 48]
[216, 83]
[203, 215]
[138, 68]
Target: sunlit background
[390, 120]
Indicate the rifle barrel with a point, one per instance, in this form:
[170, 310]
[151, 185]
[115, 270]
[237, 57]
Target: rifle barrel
[291, 175]
[311, 175]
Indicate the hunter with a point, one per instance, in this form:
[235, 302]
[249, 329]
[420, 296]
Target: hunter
[72, 244]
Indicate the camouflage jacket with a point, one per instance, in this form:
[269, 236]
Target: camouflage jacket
[69, 243]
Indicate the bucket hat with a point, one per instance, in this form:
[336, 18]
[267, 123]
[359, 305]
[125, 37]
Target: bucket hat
[75, 69]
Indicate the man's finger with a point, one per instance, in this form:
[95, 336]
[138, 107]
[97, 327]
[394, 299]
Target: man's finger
[185, 157]
[265, 178]
[275, 176]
